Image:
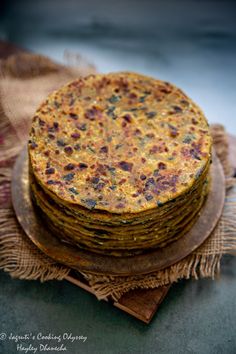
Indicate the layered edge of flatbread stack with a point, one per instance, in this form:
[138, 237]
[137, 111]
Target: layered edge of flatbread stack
[123, 233]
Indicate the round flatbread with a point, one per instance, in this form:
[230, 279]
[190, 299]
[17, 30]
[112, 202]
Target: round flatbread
[122, 153]
[119, 142]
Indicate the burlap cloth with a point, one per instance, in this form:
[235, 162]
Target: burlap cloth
[26, 79]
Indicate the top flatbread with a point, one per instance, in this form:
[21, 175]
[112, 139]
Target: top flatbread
[120, 142]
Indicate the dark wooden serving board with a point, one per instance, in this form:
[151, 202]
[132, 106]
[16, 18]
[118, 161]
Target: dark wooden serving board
[139, 303]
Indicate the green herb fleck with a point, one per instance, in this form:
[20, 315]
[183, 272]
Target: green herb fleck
[114, 99]
[73, 190]
[188, 138]
[68, 177]
[110, 112]
[91, 149]
[151, 115]
[142, 98]
[90, 203]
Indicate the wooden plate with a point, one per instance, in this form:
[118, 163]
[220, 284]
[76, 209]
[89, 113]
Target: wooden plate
[90, 262]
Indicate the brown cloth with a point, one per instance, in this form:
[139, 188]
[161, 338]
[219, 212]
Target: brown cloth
[26, 79]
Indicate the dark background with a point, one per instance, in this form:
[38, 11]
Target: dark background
[191, 43]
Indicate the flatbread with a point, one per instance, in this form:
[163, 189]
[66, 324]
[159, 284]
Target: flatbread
[119, 162]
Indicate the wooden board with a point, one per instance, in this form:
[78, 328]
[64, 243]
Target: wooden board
[139, 303]
[81, 260]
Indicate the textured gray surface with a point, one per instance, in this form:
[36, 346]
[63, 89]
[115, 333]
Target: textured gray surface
[188, 42]
[193, 44]
[196, 317]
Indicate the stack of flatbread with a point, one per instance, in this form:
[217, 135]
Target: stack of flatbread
[119, 163]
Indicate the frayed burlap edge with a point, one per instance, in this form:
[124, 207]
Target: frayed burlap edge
[22, 259]
[16, 250]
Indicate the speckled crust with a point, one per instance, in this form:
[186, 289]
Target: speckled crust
[122, 143]
[119, 163]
